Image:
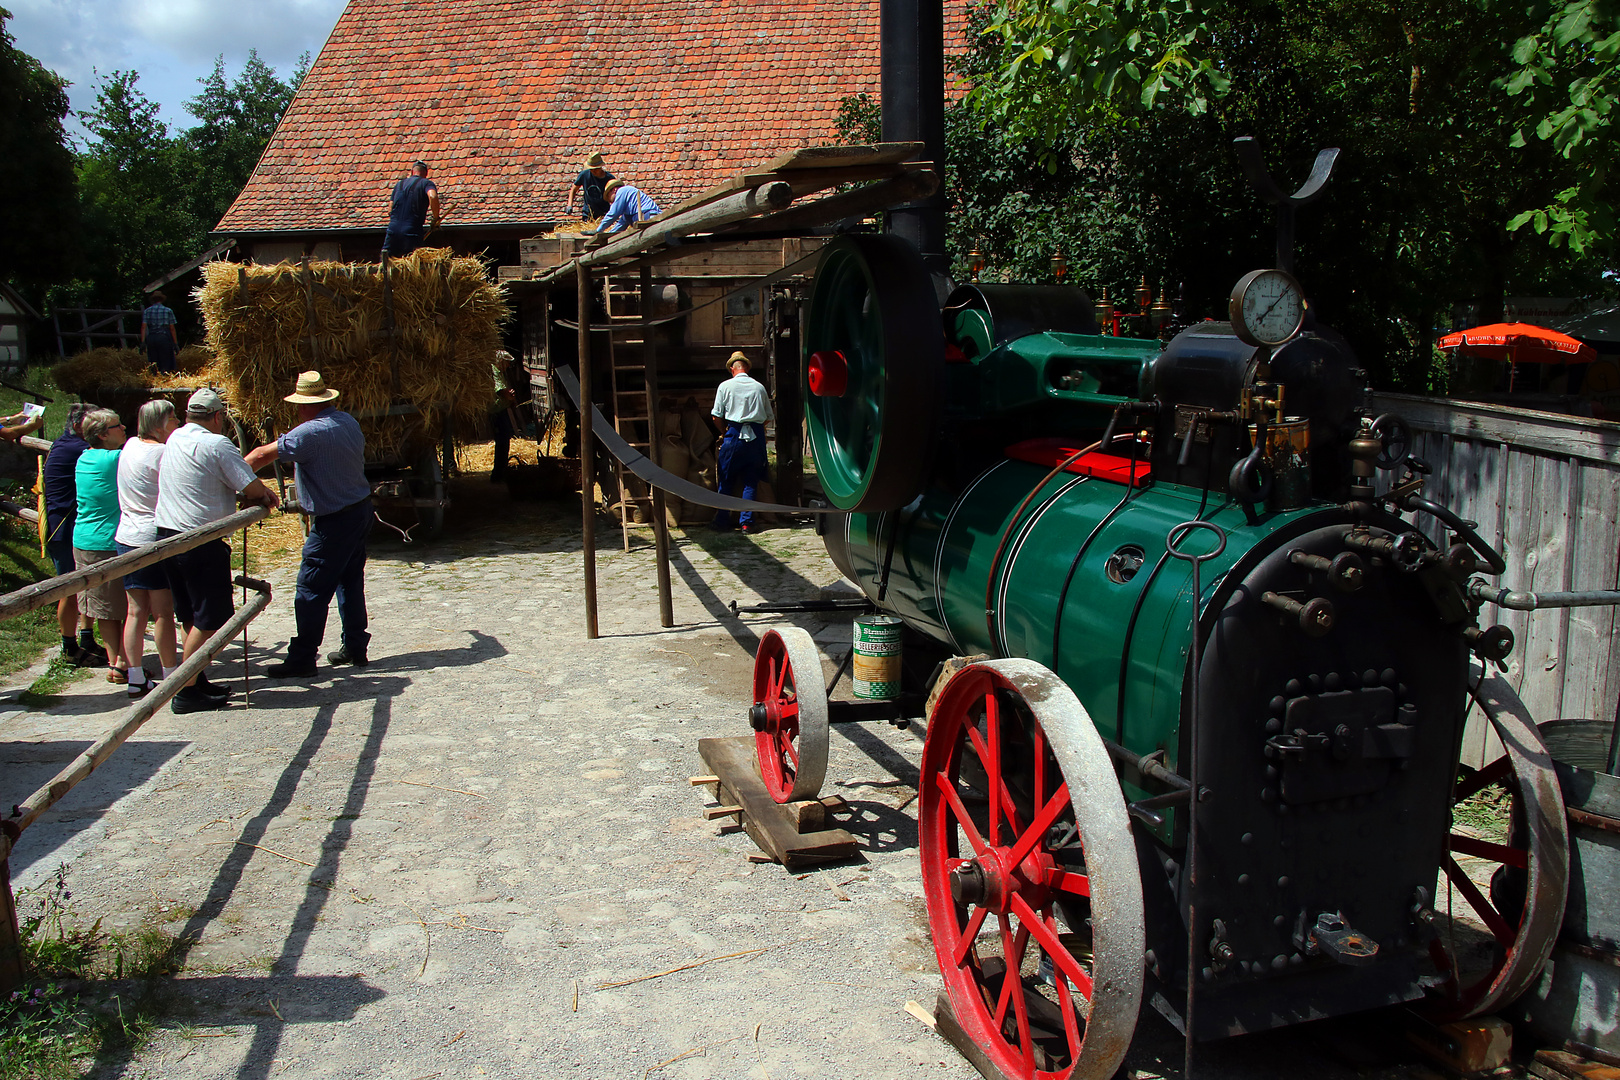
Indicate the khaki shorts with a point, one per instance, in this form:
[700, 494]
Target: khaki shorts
[104, 601]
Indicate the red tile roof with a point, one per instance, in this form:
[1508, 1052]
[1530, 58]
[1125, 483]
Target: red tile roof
[505, 98]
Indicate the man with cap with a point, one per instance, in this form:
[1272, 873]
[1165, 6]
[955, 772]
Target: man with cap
[591, 181]
[329, 453]
[743, 408]
[201, 479]
[626, 203]
[414, 196]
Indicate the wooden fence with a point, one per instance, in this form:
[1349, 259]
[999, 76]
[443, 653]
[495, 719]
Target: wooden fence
[1545, 490]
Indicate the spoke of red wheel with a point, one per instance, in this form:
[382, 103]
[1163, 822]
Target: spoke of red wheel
[789, 710]
[1492, 918]
[1048, 939]
[992, 764]
[1071, 1023]
[986, 756]
[1484, 778]
[1013, 950]
[1037, 828]
[1040, 768]
[773, 682]
[792, 750]
[1484, 849]
[970, 934]
[1070, 882]
[948, 789]
[1007, 981]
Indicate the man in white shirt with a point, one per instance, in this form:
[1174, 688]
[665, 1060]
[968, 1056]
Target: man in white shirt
[201, 479]
[743, 408]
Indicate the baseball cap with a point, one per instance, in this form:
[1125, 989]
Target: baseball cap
[205, 402]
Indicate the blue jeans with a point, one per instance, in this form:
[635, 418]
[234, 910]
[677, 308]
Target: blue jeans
[742, 463]
[398, 242]
[334, 564]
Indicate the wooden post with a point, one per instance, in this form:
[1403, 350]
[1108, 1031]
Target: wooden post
[666, 603]
[787, 367]
[309, 311]
[587, 450]
[11, 969]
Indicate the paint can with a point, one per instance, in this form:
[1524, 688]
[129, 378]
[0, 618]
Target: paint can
[877, 657]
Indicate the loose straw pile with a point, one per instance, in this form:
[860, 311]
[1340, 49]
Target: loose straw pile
[447, 316]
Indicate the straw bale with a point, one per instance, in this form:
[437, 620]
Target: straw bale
[100, 369]
[447, 319]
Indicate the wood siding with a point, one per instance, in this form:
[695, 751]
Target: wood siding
[1545, 490]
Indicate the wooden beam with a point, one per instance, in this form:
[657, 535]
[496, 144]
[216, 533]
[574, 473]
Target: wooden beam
[587, 451]
[1549, 433]
[732, 208]
[858, 203]
[649, 372]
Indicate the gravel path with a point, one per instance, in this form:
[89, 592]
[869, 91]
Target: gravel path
[437, 866]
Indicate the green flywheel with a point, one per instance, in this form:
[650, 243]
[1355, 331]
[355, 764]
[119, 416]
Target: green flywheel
[874, 352]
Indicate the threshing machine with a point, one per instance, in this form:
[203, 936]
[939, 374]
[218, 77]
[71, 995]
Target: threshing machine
[1199, 746]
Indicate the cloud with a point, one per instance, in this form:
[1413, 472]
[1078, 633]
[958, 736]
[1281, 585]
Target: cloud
[171, 43]
[199, 30]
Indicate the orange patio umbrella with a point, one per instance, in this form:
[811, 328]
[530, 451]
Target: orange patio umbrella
[1519, 343]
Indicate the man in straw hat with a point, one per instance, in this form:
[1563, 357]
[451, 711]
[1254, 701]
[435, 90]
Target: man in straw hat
[743, 408]
[626, 203]
[591, 181]
[201, 479]
[329, 453]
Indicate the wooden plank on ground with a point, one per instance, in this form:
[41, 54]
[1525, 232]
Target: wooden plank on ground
[767, 822]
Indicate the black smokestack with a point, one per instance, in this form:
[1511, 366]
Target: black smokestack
[913, 61]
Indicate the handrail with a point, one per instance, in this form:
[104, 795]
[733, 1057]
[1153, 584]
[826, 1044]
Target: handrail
[37, 595]
[28, 811]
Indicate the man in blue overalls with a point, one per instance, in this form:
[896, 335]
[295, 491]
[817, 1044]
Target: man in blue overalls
[743, 408]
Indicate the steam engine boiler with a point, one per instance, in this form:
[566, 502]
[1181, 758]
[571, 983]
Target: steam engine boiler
[1206, 654]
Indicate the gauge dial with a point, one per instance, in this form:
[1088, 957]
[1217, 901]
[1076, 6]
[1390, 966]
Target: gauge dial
[1267, 307]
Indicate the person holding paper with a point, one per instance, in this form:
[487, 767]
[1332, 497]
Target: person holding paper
[30, 420]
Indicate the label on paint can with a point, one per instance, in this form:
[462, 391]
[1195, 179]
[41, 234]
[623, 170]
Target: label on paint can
[877, 658]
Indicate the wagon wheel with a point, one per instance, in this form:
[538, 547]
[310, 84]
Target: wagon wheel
[1525, 926]
[876, 350]
[429, 484]
[1024, 831]
[789, 716]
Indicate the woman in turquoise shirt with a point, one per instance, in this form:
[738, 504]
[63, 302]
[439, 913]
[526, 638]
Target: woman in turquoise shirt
[96, 477]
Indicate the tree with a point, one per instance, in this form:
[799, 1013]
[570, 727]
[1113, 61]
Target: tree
[237, 120]
[1144, 97]
[1568, 83]
[40, 237]
[132, 180]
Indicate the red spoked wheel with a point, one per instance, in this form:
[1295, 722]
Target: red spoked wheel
[1029, 869]
[789, 715]
[1523, 917]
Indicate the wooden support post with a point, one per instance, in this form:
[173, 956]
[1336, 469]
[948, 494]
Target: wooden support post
[11, 969]
[309, 311]
[649, 370]
[787, 369]
[587, 451]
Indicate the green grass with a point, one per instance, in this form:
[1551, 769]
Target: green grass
[1486, 812]
[23, 639]
[37, 378]
[48, 1031]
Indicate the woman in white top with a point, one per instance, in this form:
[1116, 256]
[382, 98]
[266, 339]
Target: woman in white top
[148, 589]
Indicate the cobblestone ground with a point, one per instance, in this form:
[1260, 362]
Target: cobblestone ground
[437, 866]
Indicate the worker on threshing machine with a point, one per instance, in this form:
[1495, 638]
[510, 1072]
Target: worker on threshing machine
[627, 203]
[591, 183]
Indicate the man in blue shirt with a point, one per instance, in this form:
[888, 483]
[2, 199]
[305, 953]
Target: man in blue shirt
[414, 196]
[590, 182]
[626, 204]
[330, 454]
[160, 335]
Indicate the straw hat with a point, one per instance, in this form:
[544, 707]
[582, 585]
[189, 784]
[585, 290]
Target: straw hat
[738, 358]
[594, 161]
[311, 390]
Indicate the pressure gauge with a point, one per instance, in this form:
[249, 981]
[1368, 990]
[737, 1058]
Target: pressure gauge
[1267, 307]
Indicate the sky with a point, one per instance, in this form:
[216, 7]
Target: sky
[171, 43]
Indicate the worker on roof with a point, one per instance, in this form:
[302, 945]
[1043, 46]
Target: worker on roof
[592, 181]
[414, 197]
[626, 203]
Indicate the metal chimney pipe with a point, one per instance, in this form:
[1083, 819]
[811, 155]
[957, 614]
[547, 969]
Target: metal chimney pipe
[913, 91]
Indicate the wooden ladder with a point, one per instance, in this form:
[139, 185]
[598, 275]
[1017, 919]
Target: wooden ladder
[632, 411]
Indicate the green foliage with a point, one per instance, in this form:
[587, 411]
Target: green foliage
[36, 171]
[42, 1031]
[1568, 84]
[54, 947]
[1129, 111]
